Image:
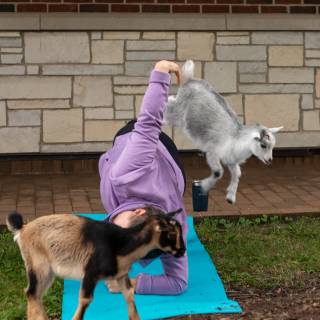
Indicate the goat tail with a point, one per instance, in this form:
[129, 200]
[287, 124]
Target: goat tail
[14, 222]
[187, 71]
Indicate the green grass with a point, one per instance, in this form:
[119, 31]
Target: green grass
[260, 253]
[13, 281]
[263, 253]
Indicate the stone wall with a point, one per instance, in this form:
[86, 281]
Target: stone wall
[71, 91]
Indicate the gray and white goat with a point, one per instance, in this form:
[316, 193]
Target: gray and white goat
[216, 130]
[75, 247]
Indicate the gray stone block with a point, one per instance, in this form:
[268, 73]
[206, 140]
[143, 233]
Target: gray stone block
[81, 69]
[23, 118]
[241, 53]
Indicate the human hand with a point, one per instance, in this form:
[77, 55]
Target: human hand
[169, 66]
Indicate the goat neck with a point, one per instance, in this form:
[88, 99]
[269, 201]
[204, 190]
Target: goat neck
[137, 241]
[242, 148]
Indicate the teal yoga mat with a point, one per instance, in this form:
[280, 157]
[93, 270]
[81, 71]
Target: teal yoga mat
[205, 292]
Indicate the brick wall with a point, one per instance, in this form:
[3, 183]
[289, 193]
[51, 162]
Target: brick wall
[71, 91]
[163, 6]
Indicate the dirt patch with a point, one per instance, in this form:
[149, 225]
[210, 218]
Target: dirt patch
[279, 304]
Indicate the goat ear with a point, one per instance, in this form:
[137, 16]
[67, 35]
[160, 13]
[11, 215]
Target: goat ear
[275, 130]
[172, 214]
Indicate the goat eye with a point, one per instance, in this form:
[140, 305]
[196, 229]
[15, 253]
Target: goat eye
[263, 146]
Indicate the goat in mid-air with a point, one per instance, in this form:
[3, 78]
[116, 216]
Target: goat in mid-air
[216, 130]
[75, 247]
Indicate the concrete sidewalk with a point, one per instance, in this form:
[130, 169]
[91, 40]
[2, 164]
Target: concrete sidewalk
[290, 186]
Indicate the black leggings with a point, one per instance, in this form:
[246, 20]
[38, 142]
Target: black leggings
[165, 139]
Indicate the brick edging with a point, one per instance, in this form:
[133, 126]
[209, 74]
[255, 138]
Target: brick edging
[154, 21]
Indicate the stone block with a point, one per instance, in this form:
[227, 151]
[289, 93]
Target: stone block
[252, 67]
[19, 140]
[3, 114]
[92, 91]
[139, 68]
[168, 130]
[107, 51]
[102, 130]
[130, 89]
[10, 42]
[56, 47]
[11, 50]
[317, 84]
[121, 35]
[76, 147]
[222, 75]
[235, 102]
[123, 80]
[286, 56]
[96, 35]
[233, 39]
[232, 33]
[165, 45]
[34, 87]
[241, 53]
[33, 69]
[158, 35]
[11, 58]
[298, 139]
[62, 125]
[23, 118]
[277, 37]
[196, 46]
[182, 141]
[291, 75]
[82, 69]
[252, 78]
[312, 40]
[312, 54]
[273, 110]
[39, 104]
[312, 62]
[137, 105]
[9, 34]
[276, 88]
[307, 101]
[124, 114]
[150, 55]
[11, 70]
[99, 113]
[123, 102]
[311, 120]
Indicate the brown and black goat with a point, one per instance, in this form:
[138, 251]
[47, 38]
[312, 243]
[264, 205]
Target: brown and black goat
[75, 247]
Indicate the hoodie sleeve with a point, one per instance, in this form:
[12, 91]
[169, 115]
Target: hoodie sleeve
[142, 143]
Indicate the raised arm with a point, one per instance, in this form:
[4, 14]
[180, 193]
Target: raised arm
[141, 146]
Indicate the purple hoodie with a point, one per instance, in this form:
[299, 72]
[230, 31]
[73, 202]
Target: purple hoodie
[139, 171]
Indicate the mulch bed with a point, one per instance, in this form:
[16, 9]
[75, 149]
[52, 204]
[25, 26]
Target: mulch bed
[279, 304]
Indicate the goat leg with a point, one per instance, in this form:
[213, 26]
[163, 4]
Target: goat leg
[86, 295]
[128, 293]
[235, 173]
[217, 173]
[39, 280]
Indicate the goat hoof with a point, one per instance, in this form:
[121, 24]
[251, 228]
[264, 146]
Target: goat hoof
[204, 188]
[231, 201]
